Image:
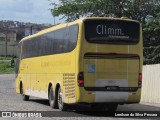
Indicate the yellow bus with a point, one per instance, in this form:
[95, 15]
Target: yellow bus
[94, 60]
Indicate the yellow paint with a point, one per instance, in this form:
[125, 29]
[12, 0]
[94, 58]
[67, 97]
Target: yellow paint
[37, 73]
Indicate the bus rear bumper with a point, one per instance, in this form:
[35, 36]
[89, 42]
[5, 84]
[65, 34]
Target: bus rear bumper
[110, 97]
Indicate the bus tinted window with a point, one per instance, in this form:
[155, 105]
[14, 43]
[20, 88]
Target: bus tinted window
[112, 31]
[58, 41]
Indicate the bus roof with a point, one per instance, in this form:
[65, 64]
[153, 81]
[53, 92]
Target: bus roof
[71, 23]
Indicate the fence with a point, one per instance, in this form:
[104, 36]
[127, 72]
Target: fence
[151, 84]
[11, 50]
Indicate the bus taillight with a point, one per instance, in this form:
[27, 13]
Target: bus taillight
[140, 80]
[81, 79]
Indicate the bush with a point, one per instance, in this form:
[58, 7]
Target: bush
[5, 58]
[5, 67]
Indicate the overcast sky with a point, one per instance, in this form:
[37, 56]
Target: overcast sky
[34, 11]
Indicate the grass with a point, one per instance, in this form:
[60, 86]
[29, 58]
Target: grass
[5, 58]
[5, 66]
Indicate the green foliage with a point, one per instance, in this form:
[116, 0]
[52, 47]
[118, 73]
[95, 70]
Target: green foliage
[5, 66]
[152, 41]
[5, 58]
[134, 9]
[145, 11]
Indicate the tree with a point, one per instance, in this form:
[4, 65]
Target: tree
[145, 11]
[134, 9]
[152, 41]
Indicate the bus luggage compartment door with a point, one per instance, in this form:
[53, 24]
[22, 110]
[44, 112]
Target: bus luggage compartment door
[111, 74]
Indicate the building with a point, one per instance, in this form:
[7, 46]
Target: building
[11, 32]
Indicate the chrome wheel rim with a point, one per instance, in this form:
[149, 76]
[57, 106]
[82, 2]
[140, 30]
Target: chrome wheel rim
[60, 100]
[51, 98]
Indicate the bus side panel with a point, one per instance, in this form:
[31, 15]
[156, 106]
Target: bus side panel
[22, 77]
[137, 49]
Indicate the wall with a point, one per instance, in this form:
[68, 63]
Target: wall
[11, 44]
[11, 50]
[151, 84]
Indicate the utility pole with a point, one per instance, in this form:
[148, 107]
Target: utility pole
[6, 43]
[54, 5]
[54, 15]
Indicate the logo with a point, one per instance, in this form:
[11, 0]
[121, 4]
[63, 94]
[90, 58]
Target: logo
[104, 30]
[91, 68]
[6, 114]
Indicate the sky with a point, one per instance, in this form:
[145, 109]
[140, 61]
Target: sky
[33, 11]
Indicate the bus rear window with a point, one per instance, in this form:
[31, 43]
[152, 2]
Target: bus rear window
[112, 31]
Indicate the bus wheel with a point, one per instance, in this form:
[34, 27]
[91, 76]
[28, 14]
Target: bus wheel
[61, 105]
[112, 107]
[52, 98]
[24, 97]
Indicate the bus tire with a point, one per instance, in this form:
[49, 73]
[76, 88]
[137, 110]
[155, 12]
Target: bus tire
[52, 98]
[112, 107]
[24, 97]
[61, 105]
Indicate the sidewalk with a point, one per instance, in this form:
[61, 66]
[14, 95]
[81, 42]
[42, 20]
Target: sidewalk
[150, 104]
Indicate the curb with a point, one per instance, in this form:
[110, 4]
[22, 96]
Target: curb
[150, 104]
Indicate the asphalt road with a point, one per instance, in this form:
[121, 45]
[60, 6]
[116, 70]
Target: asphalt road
[10, 101]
